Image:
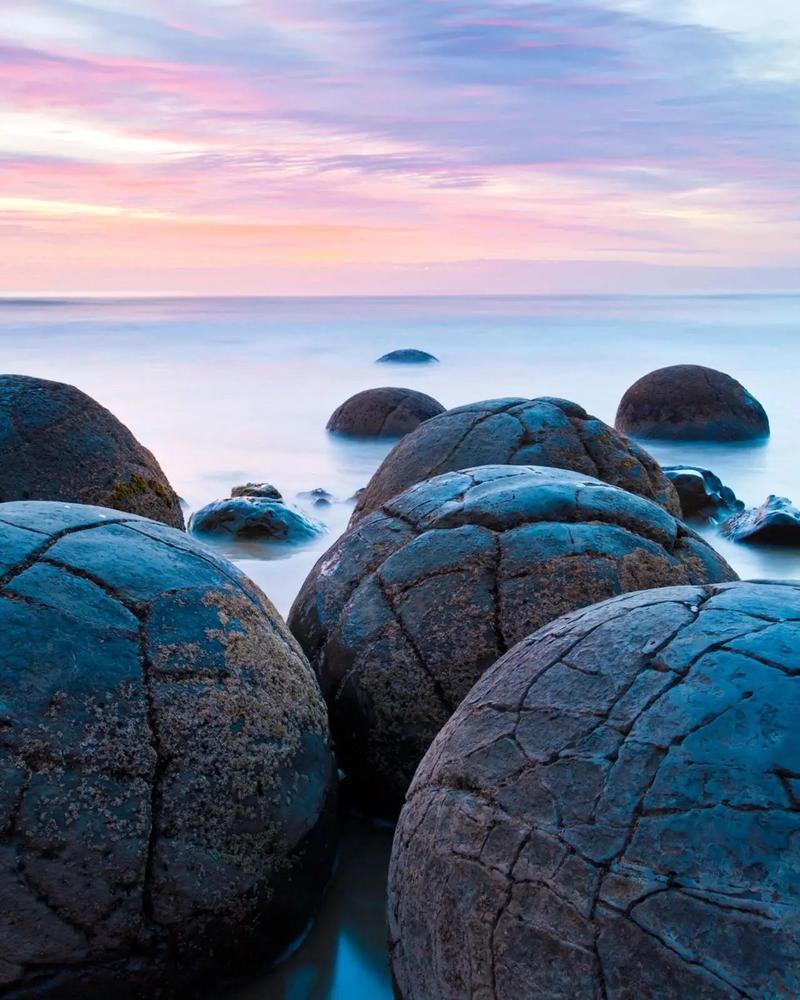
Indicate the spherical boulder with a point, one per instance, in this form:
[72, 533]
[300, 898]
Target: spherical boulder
[168, 791]
[543, 431]
[57, 443]
[614, 811]
[404, 613]
[385, 412]
[407, 356]
[691, 403]
[254, 517]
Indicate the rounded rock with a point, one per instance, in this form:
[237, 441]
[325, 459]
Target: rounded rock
[614, 811]
[168, 791]
[254, 517]
[57, 443]
[384, 412]
[702, 494]
[265, 490]
[407, 356]
[545, 431]
[405, 611]
[691, 403]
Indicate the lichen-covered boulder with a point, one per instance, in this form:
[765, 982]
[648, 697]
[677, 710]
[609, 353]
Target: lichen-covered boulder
[254, 517]
[614, 811]
[57, 443]
[384, 412]
[167, 789]
[702, 494]
[266, 490]
[407, 356]
[404, 613]
[775, 522]
[691, 403]
[544, 431]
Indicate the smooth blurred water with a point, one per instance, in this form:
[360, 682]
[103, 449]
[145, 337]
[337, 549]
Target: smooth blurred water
[230, 390]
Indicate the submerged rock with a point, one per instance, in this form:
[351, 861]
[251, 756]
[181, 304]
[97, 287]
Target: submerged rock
[691, 403]
[408, 356]
[167, 804]
[402, 614]
[254, 517]
[318, 496]
[384, 412]
[775, 522]
[266, 490]
[614, 811]
[701, 493]
[546, 431]
[57, 443]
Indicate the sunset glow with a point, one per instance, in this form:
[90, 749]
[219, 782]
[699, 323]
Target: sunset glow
[366, 147]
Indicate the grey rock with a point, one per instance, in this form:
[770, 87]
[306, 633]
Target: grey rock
[384, 412]
[546, 431]
[407, 356]
[57, 443]
[702, 494]
[318, 496]
[775, 522]
[614, 811]
[266, 490]
[691, 403]
[254, 517]
[167, 792]
[405, 611]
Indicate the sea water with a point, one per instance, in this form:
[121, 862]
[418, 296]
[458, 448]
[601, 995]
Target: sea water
[226, 391]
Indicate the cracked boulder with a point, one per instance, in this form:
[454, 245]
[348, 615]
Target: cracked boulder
[691, 403]
[384, 412]
[614, 811]
[552, 432]
[167, 787]
[57, 443]
[407, 609]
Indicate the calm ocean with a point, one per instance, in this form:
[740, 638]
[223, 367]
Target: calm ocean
[224, 391]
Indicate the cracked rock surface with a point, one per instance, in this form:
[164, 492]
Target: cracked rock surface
[402, 615]
[691, 403]
[57, 443]
[614, 811]
[166, 781]
[551, 432]
[384, 412]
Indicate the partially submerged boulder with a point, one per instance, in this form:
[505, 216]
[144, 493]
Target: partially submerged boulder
[384, 412]
[266, 490]
[775, 522]
[702, 494]
[403, 613]
[407, 356]
[546, 431]
[614, 811]
[254, 517]
[167, 803]
[691, 403]
[57, 443]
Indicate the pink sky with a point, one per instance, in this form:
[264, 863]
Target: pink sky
[368, 147]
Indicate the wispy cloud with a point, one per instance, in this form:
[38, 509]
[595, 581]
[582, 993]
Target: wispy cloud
[296, 133]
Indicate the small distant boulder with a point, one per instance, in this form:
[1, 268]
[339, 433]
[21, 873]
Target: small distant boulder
[251, 517]
[701, 493]
[318, 496]
[266, 490]
[691, 403]
[775, 522]
[408, 356]
[384, 412]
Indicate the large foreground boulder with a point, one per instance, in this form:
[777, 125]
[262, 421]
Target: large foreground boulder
[384, 412]
[544, 431]
[57, 443]
[167, 787]
[614, 811]
[691, 403]
[405, 612]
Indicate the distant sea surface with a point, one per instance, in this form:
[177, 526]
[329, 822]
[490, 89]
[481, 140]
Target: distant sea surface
[226, 391]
